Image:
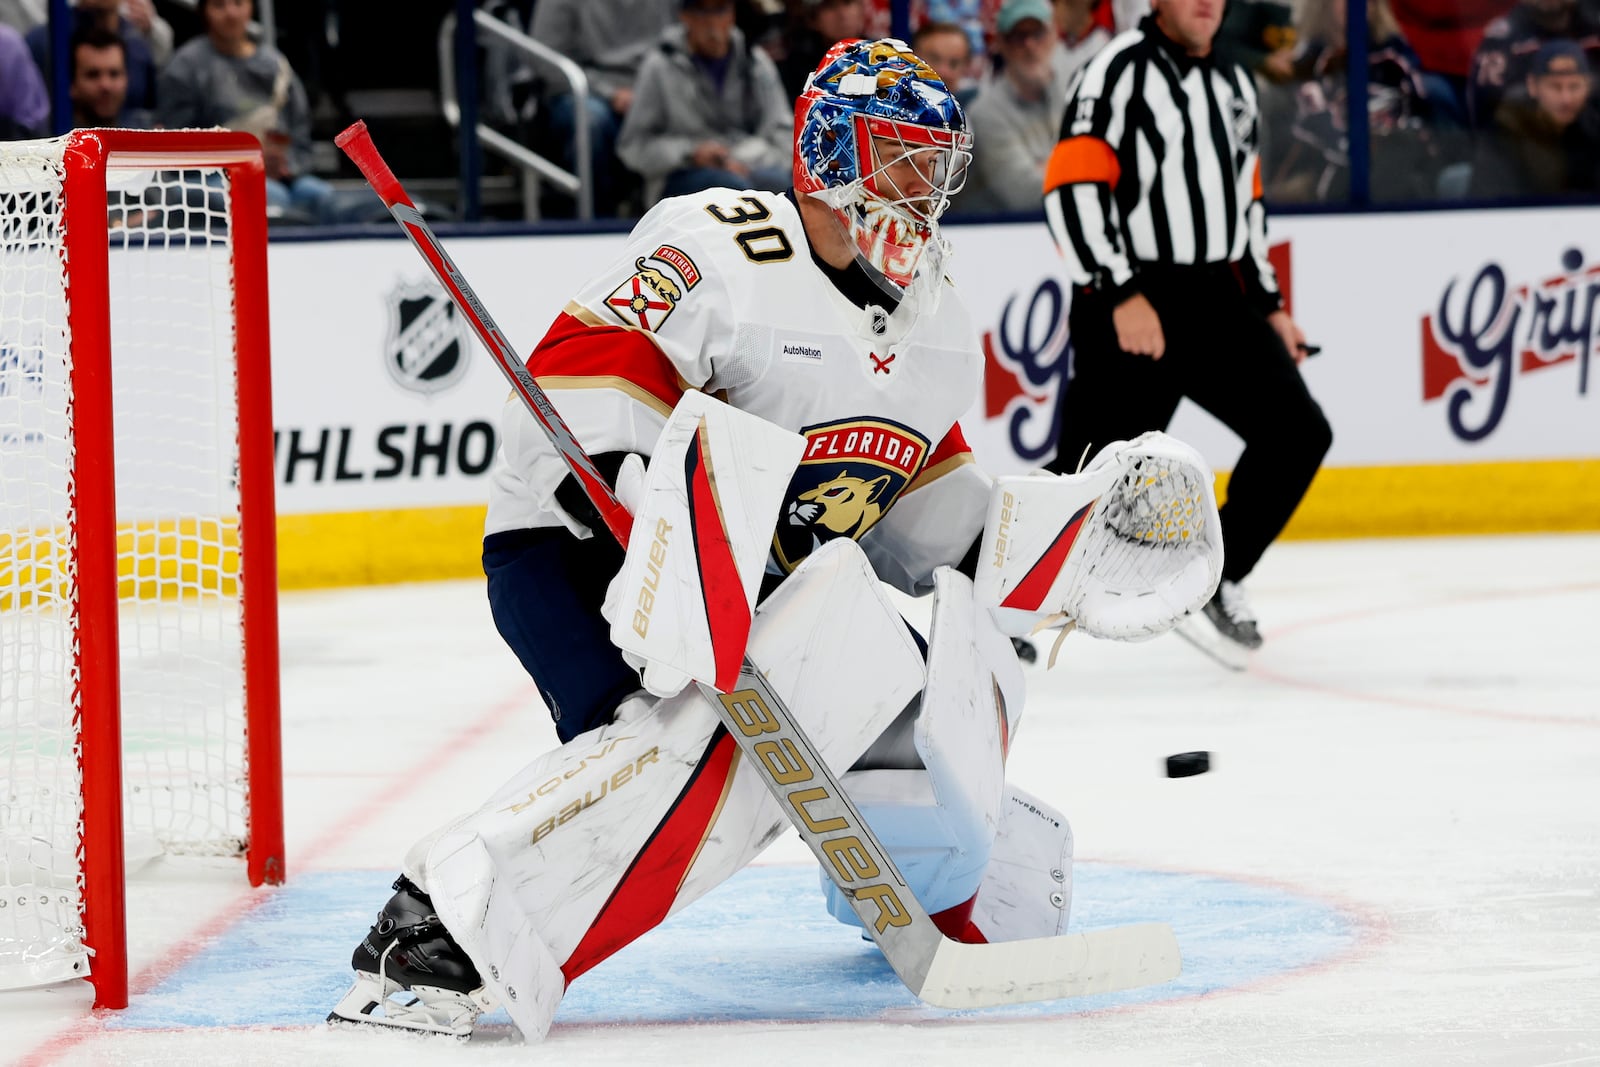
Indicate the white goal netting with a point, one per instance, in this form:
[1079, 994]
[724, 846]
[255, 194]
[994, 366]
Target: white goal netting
[175, 456]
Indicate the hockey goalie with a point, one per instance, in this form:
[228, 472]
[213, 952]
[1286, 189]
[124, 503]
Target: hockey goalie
[772, 384]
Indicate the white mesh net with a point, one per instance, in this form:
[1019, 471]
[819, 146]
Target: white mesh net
[176, 419]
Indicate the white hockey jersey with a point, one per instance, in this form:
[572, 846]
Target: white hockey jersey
[718, 291]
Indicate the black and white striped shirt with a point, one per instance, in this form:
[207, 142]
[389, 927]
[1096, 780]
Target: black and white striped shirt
[1158, 164]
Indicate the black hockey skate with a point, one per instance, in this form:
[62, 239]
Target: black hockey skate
[1225, 628]
[411, 974]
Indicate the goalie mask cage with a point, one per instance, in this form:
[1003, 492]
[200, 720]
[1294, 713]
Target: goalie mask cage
[138, 601]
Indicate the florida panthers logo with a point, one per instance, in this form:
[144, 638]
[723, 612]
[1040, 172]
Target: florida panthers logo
[849, 476]
[846, 505]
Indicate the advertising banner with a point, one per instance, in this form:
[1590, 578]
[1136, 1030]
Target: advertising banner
[1447, 340]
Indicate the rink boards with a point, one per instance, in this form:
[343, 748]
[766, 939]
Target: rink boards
[1455, 371]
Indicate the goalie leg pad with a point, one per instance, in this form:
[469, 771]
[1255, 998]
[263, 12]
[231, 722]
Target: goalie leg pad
[938, 820]
[1027, 887]
[598, 841]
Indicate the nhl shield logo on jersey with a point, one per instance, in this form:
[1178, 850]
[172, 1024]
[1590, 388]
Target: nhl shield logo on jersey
[646, 298]
[428, 341]
[849, 475]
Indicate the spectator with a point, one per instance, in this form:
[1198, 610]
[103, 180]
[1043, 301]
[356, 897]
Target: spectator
[1080, 35]
[100, 81]
[1309, 160]
[710, 111]
[976, 17]
[814, 27]
[1548, 143]
[762, 23]
[946, 48]
[107, 15]
[156, 31]
[1446, 33]
[1260, 35]
[1509, 44]
[24, 104]
[609, 41]
[228, 79]
[1017, 116]
[23, 15]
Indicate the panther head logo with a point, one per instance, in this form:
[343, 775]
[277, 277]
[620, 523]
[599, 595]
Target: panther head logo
[846, 505]
[659, 282]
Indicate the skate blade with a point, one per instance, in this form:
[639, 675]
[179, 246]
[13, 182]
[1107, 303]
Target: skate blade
[1204, 636]
[435, 1011]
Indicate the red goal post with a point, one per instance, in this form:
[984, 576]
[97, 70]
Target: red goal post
[138, 603]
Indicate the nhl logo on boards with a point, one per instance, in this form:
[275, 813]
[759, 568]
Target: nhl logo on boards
[427, 343]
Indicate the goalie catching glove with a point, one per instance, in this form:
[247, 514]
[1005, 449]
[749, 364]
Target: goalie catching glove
[1122, 549]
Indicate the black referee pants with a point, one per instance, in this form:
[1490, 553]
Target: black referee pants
[1221, 354]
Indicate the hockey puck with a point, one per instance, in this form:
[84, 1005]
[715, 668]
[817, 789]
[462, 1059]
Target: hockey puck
[1188, 764]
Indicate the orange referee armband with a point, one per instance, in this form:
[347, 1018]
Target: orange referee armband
[1081, 159]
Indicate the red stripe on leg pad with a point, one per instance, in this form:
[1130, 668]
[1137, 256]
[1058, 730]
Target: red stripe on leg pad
[1030, 592]
[727, 610]
[650, 887]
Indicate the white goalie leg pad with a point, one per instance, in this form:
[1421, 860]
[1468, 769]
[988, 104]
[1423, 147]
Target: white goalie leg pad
[494, 931]
[680, 607]
[1027, 888]
[938, 821]
[1123, 549]
[596, 842]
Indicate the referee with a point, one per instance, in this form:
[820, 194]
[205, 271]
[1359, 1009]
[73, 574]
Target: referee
[1153, 196]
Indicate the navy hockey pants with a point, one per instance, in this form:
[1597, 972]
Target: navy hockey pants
[545, 591]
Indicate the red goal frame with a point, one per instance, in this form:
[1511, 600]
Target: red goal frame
[89, 154]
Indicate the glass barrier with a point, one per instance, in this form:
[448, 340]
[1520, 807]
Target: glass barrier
[1464, 99]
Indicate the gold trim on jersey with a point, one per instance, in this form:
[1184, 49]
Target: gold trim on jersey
[937, 471]
[589, 317]
[550, 382]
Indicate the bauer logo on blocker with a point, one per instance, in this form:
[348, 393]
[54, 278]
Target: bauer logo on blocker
[428, 341]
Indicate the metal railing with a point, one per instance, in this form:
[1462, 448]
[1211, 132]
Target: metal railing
[490, 32]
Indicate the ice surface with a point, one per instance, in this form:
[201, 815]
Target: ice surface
[1395, 859]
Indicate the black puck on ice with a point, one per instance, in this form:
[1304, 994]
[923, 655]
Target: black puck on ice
[1188, 764]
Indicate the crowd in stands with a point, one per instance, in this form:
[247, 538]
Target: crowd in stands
[1481, 98]
[1465, 97]
[129, 71]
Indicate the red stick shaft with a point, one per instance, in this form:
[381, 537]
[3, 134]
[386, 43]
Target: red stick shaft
[357, 144]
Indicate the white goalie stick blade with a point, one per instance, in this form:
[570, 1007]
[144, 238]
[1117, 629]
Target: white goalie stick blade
[1050, 968]
[939, 970]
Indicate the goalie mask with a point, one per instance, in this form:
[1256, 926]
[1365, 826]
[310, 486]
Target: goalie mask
[881, 141]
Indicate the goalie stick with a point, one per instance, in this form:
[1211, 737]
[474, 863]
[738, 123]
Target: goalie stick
[939, 970]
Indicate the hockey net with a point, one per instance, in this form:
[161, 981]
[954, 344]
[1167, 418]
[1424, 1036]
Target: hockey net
[138, 633]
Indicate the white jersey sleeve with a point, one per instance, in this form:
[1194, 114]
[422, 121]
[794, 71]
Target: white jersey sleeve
[650, 325]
